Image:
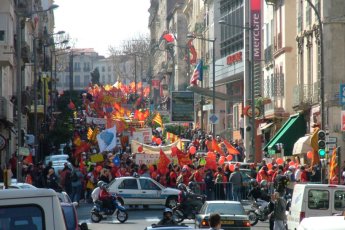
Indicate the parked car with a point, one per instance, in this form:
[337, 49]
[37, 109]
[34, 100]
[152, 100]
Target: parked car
[69, 210]
[232, 215]
[16, 185]
[59, 165]
[30, 209]
[143, 191]
[59, 157]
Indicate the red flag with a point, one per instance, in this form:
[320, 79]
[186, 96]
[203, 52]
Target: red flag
[183, 158]
[163, 162]
[216, 147]
[333, 168]
[231, 149]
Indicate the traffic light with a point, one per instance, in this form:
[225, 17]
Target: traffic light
[321, 143]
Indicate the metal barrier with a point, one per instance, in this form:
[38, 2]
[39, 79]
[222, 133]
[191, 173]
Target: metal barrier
[221, 190]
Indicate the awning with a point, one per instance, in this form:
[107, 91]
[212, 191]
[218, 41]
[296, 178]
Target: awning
[209, 93]
[294, 128]
[302, 145]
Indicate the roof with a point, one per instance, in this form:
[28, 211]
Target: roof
[321, 185]
[223, 202]
[21, 193]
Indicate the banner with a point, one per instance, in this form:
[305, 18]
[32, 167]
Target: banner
[143, 135]
[150, 154]
[107, 139]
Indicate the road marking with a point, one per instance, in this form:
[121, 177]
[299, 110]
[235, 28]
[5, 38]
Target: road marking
[152, 219]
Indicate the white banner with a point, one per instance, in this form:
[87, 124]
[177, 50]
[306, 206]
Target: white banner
[96, 121]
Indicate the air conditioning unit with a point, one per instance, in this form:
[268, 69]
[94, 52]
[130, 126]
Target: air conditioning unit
[3, 108]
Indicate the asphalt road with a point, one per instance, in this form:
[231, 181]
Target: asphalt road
[138, 218]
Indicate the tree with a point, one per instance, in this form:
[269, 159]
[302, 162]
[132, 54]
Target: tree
[95, 76]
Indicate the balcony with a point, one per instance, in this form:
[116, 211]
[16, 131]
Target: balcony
[6, 55]
[307, 94]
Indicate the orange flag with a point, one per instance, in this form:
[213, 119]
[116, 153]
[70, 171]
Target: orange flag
[231, 149]
[216, 147]
[314, 144]
[183, 158]
[163, 162]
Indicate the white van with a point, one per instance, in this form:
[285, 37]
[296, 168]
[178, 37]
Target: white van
[309, 200]
[30, 209]
[323, 223]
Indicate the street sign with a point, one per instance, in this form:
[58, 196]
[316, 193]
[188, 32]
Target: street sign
[214, 119]
[342, 94]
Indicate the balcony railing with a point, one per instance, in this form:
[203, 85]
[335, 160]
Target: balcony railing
[268, 54]
[308, 93]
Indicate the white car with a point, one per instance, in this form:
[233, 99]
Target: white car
[16, 185]
[60, 157]
[143, 191]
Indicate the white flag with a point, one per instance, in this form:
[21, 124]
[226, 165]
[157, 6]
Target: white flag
[107, 139]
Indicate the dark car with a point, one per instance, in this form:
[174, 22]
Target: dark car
[71, 217]
[232, 215]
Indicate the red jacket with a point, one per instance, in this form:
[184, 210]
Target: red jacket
[104, 194]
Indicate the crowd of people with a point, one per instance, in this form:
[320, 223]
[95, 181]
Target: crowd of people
[224, 182]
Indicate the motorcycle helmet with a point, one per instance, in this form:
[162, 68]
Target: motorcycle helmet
[99, 183]
[104, 185]
[263, 183]
[182, 187]
[191, 185]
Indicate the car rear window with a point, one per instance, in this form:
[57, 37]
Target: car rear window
[70, 219]
[226, 209]
[318, 199]
[21, 217]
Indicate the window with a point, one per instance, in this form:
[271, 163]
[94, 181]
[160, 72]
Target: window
[129, 184]
[23, 217]
[318, 199]
[2, 35]
[148, 185]
[339, 200]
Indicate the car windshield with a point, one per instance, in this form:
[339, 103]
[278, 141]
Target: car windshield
[225, 209]
[69, 216]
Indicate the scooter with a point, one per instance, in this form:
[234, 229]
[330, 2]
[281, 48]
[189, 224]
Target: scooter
[98, 212]
[188, 211]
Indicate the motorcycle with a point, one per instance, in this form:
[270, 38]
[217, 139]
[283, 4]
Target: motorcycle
[188, 209]
[257, 212]
[98, 212]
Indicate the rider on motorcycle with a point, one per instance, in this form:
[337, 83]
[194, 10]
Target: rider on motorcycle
[187, 199]
[259, 195]
[105, 197]
[167, 218]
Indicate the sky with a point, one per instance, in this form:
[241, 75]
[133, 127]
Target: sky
[99, 24]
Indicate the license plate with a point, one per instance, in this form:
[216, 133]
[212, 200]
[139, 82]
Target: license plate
[228, 222]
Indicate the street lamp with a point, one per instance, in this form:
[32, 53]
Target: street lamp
[19, 15]
[251, 78]
[322, 79]
[213, 76]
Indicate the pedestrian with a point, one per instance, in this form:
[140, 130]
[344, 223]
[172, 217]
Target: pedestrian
[52, 181]
[209, 184]
[65, 179]
[278, 212]
[214, 221]
[236, 182]
[76, 179]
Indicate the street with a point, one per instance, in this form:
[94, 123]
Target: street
[138, 218]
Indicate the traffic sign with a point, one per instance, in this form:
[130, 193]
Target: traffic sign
[214, 119]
